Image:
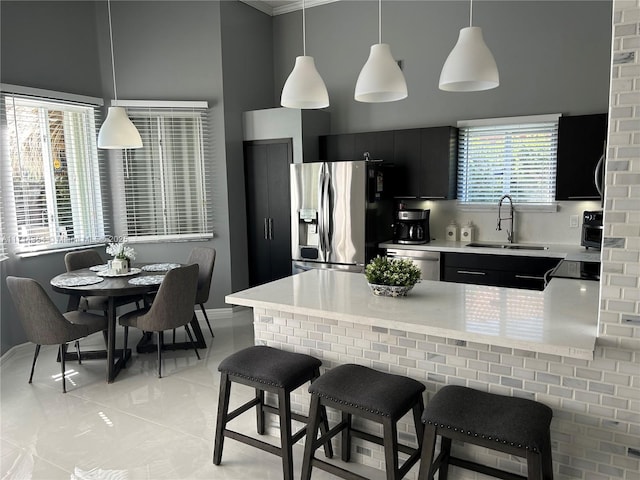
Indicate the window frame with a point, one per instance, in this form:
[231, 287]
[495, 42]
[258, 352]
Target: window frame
[80, 122]
[510, 124]
[162, 112]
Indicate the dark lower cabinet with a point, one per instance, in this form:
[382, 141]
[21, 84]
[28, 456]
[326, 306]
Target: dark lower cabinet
[268, 209]
[497, 270]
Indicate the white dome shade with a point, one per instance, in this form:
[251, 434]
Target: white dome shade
[304, 87]
[470, 66]
[118, 131]
[380, 79]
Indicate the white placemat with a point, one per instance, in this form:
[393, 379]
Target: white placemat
[147, 280]
[108, 273]
[76, 281]
[160, 267]
[97, 268]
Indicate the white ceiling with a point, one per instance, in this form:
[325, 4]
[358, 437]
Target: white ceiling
[278, 7]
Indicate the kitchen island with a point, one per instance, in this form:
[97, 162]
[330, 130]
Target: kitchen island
[530, 344]
[561, 320]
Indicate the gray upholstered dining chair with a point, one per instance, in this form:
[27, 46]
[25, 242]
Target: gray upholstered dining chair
[172, 307]
[88, 258]
[205, 258]
[44, 324]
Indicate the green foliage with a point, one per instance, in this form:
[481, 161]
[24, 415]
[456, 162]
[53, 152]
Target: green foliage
[392, 271]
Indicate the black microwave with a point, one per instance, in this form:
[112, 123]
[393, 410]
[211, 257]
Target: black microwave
[592, 229]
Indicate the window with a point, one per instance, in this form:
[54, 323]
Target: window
[515, 156]
[50, 173]
[165, 182]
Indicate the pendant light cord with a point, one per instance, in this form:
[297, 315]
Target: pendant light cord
[379, 21]
[113, 64]
[471, 13]
[304, 31]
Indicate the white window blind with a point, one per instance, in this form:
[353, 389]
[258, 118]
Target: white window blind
[165, 181]
[508, 156]
[50, 173]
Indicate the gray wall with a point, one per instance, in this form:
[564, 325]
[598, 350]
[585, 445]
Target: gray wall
[248, 84]
[553, 56]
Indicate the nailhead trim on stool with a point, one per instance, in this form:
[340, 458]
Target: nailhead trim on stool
[380, 397]
[271, 370]
[516, 426]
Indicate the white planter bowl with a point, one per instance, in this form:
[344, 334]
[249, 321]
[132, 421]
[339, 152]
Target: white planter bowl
[390, 290]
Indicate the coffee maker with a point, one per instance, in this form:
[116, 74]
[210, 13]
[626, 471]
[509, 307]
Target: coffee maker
[411, 226]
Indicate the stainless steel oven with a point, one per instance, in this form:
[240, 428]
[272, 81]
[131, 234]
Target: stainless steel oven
[592, 229]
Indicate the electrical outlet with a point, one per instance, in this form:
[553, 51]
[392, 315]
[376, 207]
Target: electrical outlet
[574, 221]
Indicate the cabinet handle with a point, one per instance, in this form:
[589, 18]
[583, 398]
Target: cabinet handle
[266, 230]
[270, 228]
[529, 277]
[469, 272]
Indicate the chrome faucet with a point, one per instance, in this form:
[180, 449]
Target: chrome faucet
[510, 232]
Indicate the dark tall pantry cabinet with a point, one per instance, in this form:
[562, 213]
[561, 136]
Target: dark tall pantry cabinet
[268, 209]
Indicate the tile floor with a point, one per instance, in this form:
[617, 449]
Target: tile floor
[139, 427]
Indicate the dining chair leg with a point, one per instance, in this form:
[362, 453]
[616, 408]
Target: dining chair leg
[195, 349]
[62, 354]
[160, 341]
[78, 351]
[33, 365]
[174, 336]
[204, 312]
[126, 343]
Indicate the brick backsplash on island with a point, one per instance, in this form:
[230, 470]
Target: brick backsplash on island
[595, 403]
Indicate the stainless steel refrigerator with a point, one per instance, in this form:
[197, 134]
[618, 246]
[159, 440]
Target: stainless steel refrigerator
[340, 211]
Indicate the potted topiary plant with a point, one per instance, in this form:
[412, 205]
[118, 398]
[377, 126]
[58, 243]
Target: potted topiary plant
[391, 277]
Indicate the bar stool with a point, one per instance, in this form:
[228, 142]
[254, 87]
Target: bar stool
[266, 369]
[516, 426]
[381, 397]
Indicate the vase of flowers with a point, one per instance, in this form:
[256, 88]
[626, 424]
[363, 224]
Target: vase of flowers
[122, 256]
[391, 277]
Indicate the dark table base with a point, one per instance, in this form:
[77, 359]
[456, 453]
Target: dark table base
[146, 345]
[99, 355]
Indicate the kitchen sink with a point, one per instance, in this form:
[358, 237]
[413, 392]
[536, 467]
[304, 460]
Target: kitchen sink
[510, 246]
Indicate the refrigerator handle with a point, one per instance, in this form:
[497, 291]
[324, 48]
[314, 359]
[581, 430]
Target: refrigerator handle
[266, 229]
[270, 228]
[326, 213]
[321, 210]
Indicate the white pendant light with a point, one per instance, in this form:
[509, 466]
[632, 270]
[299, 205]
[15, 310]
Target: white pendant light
[304, 87]
[470, 66]
[117, 131]
[381, 79]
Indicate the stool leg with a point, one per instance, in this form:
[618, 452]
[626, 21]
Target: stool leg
[221, 422]
[547, 461]
[324, 420]
[286, 444]
[310, 442]
[418, 408]
[445, 450]
[534, 466]
[390, 435]
[428, 449]
[260, 411]
[346, 437]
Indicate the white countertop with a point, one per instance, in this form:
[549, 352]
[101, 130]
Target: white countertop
[561, 320]
[567, 252]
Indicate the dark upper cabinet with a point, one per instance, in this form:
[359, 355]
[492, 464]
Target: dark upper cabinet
[337, 147]
[438, 161]
[352, 146]
[426, 159]
[581, 143]
[406, 159]
[379, 146]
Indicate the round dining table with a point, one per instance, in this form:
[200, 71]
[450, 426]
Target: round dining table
[86, 282]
